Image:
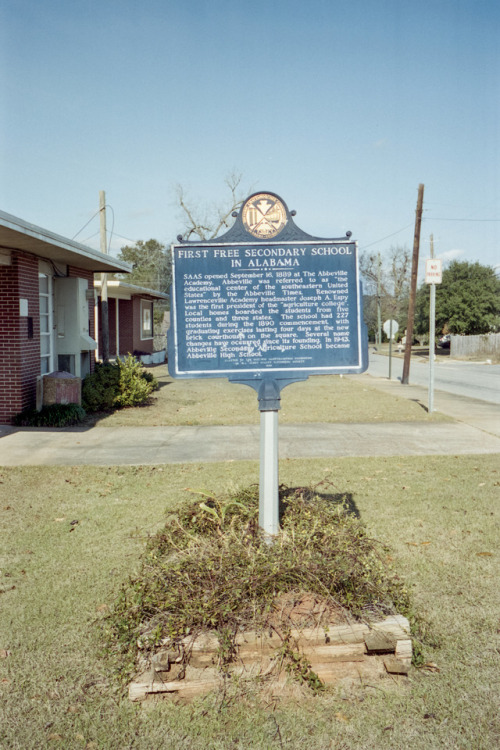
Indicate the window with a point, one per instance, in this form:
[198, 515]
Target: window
[146, 319]
[45, 295]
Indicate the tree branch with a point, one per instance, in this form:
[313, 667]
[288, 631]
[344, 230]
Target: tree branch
[208, 228]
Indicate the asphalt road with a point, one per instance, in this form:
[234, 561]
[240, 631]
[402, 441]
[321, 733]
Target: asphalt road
[470, 379]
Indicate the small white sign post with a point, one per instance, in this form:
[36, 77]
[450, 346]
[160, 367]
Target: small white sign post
[390, 329]
[433, 276]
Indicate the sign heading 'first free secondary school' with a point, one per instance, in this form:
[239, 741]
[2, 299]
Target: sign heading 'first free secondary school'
[266, 300]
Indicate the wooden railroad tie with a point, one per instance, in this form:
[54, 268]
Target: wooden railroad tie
[189, 668]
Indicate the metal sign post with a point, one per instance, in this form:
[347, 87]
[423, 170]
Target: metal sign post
[390, 330]
[432, 345]
[269, 403]
[433, 276]
[268, 484]
[266, 305]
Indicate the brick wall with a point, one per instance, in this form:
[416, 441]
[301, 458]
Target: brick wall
[129, 313]
[19, 352]
[112, 326]
[20, 342]
[126, 311]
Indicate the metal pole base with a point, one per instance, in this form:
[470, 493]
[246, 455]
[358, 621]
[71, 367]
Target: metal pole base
[268, 485]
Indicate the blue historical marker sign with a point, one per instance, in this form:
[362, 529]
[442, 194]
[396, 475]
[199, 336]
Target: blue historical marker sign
[266, 301]
[266, 305]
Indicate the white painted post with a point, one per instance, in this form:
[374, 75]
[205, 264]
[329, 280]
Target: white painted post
[117, 324]
[268, 485]
[390, 348]
[104, 282]
[432, 344]
[433, 276]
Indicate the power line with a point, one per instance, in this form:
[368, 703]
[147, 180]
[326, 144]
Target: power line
[129, 239]
[431, 218]
[89, 238]
[95, 233]
[424, 218]
[86, 224]
[112, 225]
[387, 237]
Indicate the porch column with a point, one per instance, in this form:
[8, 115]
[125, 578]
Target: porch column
[117, 323]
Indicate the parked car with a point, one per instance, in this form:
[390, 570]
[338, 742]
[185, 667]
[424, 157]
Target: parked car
[444, 341]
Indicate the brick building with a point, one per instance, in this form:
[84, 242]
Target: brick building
[47, 302]
[130, 316]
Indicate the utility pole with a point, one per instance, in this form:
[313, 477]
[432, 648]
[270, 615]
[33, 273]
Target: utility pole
[413, 287]
[104, 282]
[379, 302]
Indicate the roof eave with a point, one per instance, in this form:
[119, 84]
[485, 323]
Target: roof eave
[117, 286]
[20, 235]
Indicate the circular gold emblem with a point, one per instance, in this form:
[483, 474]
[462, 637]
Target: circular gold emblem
[264, 216]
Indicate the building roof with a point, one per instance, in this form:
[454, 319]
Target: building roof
[17, 234]
[119, 289]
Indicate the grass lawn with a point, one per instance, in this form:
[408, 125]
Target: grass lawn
[215, 401]
[71, 536]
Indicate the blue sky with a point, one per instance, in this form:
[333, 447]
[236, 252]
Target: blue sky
[342, 107]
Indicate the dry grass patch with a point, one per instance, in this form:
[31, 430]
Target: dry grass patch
[439, 515]
[216, 401]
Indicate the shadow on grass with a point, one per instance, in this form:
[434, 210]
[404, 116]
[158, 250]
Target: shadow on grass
[161, 374]
[419, 403]
[162, 382]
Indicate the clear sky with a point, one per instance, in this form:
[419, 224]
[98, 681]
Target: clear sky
[342, 107]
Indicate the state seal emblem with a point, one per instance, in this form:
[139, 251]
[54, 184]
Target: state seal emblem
[264, 216]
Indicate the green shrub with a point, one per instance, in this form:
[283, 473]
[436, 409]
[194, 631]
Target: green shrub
[150, 378]
[117, 385]
[101, 387]
[54, 415]
[135, 389]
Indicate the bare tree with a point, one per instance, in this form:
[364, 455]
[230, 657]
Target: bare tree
[399, 274]
[206, 221]
[387, 280]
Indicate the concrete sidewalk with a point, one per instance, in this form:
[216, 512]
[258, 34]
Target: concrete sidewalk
[483, 415]
[477, 430]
